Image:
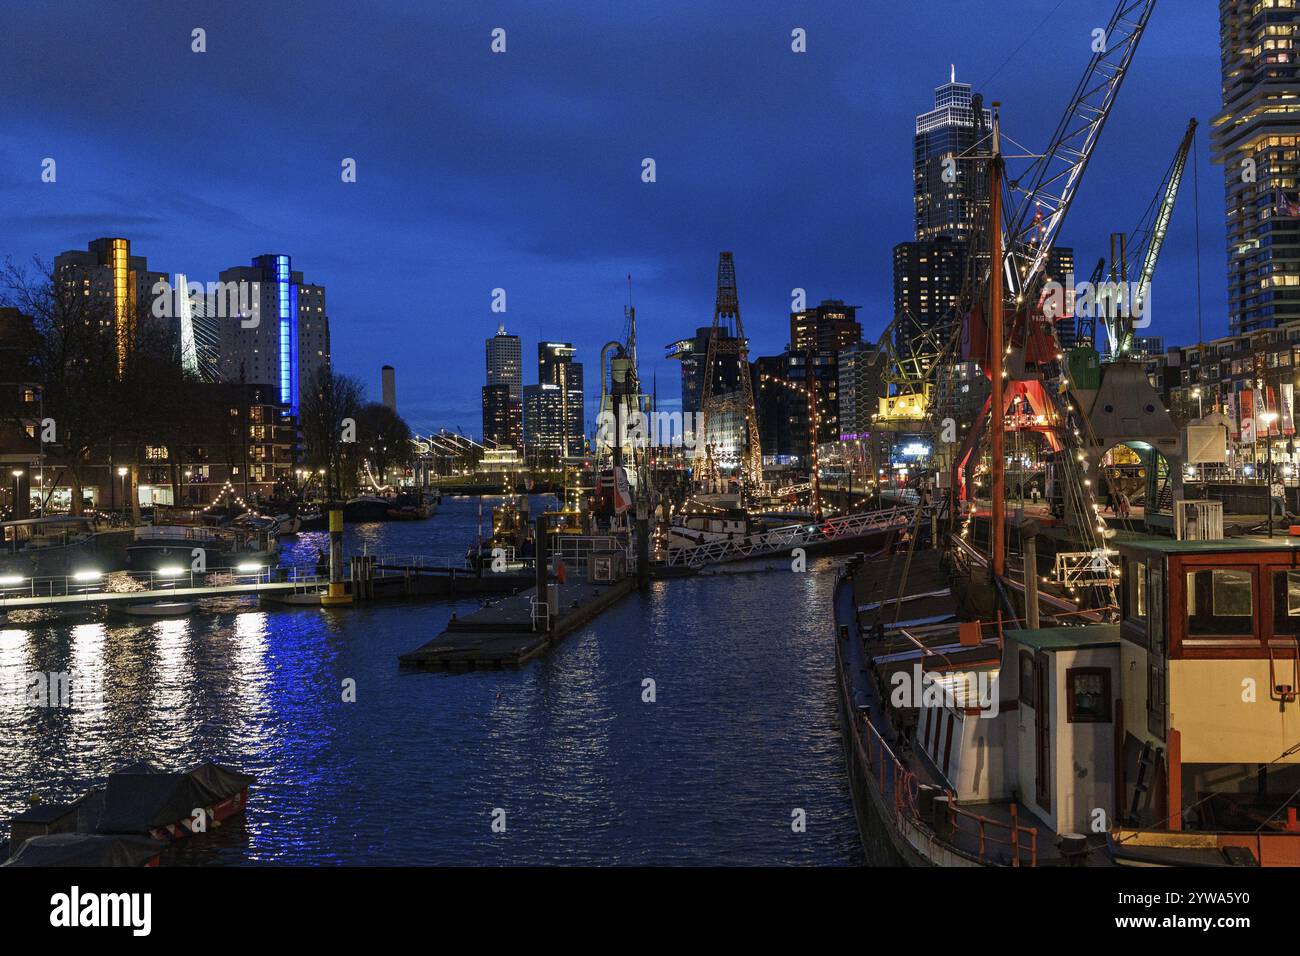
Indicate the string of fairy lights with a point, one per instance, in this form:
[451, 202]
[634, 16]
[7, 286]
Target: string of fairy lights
[228, 489]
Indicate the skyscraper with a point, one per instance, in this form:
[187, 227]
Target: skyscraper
[949, 182]
[107, 272]
[554, 419]
[829, 327]
[691, 353]
[503, 393]
[505, 362]
[1257, 140]
[285, 339]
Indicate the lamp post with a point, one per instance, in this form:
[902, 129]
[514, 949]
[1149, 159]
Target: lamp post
[1196, 394]
[121, 473]
[18, 476]
[1268, 418]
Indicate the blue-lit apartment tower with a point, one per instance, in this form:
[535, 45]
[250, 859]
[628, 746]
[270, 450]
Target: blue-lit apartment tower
[284, 339]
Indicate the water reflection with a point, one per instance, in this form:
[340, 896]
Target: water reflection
[741, 730]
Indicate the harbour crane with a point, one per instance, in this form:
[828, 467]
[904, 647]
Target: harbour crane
[1149, 238]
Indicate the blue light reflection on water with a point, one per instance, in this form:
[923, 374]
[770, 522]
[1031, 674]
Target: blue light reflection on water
[742, 732]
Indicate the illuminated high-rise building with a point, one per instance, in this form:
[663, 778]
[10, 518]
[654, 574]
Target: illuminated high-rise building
[504, 393]
[1257, 140]
[283, 337]
[505, 362]
[107, 273]
[829, 327]
[949, 182]
[558, 408]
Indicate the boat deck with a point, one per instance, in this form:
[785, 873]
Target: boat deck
[892, 632]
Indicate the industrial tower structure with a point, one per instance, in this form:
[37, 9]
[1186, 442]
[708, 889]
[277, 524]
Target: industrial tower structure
[729, 421]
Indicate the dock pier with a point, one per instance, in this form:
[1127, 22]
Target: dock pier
[505, 634]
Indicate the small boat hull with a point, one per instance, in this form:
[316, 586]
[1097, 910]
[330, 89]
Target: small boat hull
[160, 609]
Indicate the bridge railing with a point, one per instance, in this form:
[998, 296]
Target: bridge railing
[15, 587]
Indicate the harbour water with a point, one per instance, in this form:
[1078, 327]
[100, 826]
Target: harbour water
[741, 735]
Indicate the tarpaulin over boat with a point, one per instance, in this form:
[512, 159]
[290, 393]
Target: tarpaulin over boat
[140, 797]
[85, 849]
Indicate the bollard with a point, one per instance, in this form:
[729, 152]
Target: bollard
[543, 558]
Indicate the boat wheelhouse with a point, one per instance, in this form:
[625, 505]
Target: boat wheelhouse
[49, 546]
[1206, 687]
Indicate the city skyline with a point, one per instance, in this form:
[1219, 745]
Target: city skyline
[427, 204]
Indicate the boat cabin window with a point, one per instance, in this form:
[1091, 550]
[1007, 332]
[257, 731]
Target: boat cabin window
[1220, 601]
[1087, 695]
[1137, 605]
[1026, 693]
[1286, 602]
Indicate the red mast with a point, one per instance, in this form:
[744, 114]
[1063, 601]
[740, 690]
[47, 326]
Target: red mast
[997, 408]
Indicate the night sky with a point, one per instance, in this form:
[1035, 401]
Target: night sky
[523, 170]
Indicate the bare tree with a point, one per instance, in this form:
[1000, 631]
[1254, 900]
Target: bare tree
[329, 401]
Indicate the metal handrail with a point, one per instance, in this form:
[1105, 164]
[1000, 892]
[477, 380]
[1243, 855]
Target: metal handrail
[907, 787]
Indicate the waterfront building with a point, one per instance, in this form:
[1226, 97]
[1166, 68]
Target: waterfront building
[861, 387]
[1257, 140]
[1237, 376]
[284, 339]
[236, 432]
[21, 451]
[110, 275]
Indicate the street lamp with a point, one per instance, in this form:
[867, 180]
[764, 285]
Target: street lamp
[18, 474]
[1196, 394]
[1268, 418]
[121, 473]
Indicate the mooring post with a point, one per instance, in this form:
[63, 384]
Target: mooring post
[543, 560]
[642, 546]
[337, 593]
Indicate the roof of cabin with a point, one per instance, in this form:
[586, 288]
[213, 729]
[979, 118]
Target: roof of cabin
[1067, 638]
[1162, 545]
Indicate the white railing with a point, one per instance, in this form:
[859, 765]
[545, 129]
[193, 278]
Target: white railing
[92, 585]
[791, 536]
[1198, 520]
[576, 550]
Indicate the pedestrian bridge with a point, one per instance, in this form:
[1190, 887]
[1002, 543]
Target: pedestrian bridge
[93, 588]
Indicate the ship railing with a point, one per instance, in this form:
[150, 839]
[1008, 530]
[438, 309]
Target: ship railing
[964, 828]
[894, 779]
[984, 831]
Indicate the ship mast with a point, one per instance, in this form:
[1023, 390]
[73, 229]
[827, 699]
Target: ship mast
[997, 463]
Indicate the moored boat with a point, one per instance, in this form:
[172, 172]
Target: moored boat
[140, 808]
[160, 609]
